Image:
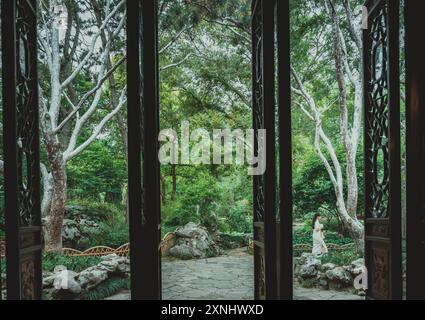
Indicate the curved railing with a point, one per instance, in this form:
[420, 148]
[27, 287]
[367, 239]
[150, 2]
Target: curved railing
[166, 243]
[123, 251]
[302, 247]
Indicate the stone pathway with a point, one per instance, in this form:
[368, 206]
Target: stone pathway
[229, 277]
[317, 294]
[226, 277]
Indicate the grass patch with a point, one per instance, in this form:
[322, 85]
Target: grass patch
[106, 289]
[341, 258]
[307, 284]
[77, 264]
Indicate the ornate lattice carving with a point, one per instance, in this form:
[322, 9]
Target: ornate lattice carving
[142, 104]
[258, 105]
[377, 114]
[27, 109]
[262, 278]
[28, 280]
[380, 271]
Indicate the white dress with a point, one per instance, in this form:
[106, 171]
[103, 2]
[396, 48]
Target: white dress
[319, 245]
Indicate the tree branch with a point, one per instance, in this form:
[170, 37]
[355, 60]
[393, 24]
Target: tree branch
[68, 155]
[93, 43]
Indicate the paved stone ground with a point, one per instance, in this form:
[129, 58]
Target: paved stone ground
[316, 294]
[229, 277]
[226, 277]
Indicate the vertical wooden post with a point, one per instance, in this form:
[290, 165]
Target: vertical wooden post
[143, 164]
[415, 120]
[382, 150]
[285, 270]
[21, 149]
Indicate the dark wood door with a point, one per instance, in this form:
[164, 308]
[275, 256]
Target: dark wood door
[21, 149]
[382, 150]
[415, 120]
[285, 261]
[265, 258]
[143, 164]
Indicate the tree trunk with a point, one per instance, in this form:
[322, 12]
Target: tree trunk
[53, 227]
[47, 179]
[163, 191]
[352, 225]
[173, 174]
[53, 235]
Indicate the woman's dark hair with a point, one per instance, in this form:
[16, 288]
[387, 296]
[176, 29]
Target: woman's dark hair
[314, 220]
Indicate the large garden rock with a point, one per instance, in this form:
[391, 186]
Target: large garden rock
[357, 267]
[193, 241]
[61, 283]
[184, 252]
[80, 212]
[91, 277]
[327, 266]
[339, 278]
[78, 222]
[70, 231]
[307, 266]
[111, 265]
[115, 265]
[66, 284]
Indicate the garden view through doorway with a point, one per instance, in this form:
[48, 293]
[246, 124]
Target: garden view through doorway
[207, 136]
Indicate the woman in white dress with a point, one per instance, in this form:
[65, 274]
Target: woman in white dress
[319, 245]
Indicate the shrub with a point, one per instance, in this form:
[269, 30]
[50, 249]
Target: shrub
[233, 240]
[305, 237]
[341, 258]
[195, 203]
[112, 230]
[98, 211]
[111, 233]
[307, 284]
[106, 289]
[77, 264]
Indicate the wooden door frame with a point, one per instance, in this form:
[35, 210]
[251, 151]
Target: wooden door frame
[143, 147]
[21, 160]
[383, 224]
[272, 240]
[415, 147]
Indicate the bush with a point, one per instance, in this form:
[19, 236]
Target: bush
[308, 283]
[106, 289]
[195, 202]
[77, 264]
[305, 237]
[341, 258]
[112, 230]
[97, 211]
[233, 240]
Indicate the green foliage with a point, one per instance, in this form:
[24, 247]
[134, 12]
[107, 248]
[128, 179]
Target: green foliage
[306, 237]
[341, 258]
[97, 211]
[106, 289]
[195, 201]
[233, 240]
[212, 89]
[113, 232]
[99, 173]
[77, 264]
[308, 283]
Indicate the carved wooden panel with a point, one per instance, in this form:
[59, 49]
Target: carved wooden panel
[21, 149]
[28, 277]
[382, 150]
[263, 96]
